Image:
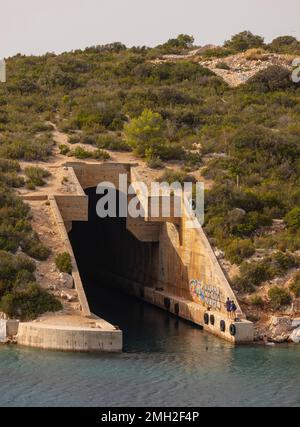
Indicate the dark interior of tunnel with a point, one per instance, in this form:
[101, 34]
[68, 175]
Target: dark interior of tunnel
[104, 248]
[107, 253]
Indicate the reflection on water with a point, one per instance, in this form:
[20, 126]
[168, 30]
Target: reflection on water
[166, 362]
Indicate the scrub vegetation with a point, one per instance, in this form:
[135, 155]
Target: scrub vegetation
[64, 263]
[245, 139]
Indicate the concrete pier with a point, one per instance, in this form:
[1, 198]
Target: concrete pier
[69, 338]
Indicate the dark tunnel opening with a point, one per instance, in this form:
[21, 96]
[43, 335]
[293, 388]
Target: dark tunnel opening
[107, 254]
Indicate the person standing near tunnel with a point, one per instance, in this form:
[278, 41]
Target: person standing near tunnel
[233, 310]
[228, 307]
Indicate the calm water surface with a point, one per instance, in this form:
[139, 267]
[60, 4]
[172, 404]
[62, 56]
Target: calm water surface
[166, 362]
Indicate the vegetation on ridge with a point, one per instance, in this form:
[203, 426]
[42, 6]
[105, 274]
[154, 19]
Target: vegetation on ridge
[245, 139]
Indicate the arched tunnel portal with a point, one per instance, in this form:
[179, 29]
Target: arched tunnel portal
[162, 262]
[109, 256]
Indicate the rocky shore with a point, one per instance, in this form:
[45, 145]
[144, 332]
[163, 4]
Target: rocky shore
[280, 330]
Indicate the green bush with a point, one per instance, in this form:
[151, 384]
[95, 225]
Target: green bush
[81, 153]
[30, 185]
[35, 249]
[88, 139]
[281, 262]
[238, 250]
[255, 273]
[217, 52]
[273, 78]
[100, 154]
[20, 296]
[170, 177]
[145, 132]
[154, 162]
[222, 66]
[178, 45]
[295, 286]
[112, 142]
[251, 275]
[29, 303]
[64, 263]
[64, 149]
[11, 266]
[11, 179]
[74, 139]
[34, 149]
[9, 166]
[9, 238]
[292, 219]
[37, 175]
[282, 241]
[279, 297]
[285, 44]
[257, 301]
[22, 279]
[244, 41]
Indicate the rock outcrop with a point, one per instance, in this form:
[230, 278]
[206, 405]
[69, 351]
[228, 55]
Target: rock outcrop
[284, 329]
[238, 69]
[295, 336]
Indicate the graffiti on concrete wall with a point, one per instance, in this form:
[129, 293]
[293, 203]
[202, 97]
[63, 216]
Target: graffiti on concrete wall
[206, 294]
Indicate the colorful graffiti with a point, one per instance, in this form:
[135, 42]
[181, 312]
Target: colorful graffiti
[206, 294]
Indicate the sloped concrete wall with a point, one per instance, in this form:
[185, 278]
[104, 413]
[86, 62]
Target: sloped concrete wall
[68, 247]
[187, 261]
[182, 265]
[60, 338]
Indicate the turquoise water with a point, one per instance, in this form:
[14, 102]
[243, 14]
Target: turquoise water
[166, 362]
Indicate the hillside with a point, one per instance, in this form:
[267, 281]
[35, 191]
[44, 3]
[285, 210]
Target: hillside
[243, 140]
[234, 69]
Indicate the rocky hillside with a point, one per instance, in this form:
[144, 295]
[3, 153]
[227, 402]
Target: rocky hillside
[239, 68]
[234, 69]
[171, 107]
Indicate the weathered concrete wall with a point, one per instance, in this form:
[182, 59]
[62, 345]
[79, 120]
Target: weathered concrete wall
[188, 310]
[73, 208]
[60, 338]
[8, 329]
[181, 265]
[68, 247]
[92, 174]
[186, 257]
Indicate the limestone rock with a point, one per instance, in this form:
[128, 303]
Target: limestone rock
[66, 280]
[76, 306]
[295, 336]
[296, 306]
[219, 254]
[296, 323]
[280, 329]
[68, 296]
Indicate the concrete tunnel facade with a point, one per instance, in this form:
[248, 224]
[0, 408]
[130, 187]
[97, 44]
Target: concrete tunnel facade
[161, 261]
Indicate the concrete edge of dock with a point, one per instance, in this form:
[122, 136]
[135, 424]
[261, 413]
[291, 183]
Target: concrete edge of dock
[69, 338]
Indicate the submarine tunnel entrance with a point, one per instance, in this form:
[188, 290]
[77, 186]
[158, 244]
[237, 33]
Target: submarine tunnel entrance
[109, 255]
